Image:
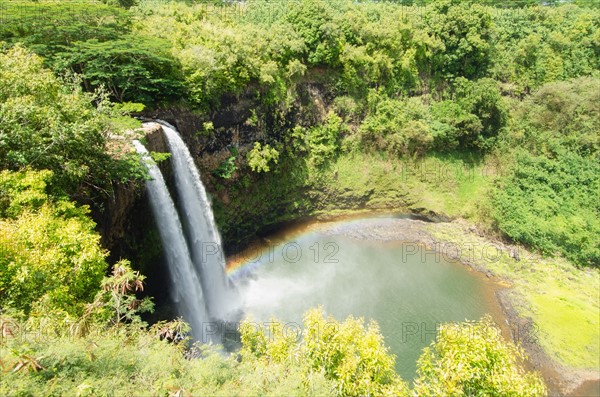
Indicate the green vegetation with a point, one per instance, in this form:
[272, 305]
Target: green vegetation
[549, 198]
[51, 257]
[479, 350]
[326, 357]
[561, 299]
[349, 355]
[483, 110]
[49, 123]
[260, 157]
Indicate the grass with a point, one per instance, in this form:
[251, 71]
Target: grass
[451, 185]
[562, 300]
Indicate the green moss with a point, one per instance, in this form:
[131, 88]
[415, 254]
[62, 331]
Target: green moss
[450, 185]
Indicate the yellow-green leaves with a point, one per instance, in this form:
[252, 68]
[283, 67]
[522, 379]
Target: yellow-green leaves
[471, 358]
[48, 250]
[347, 353]
[260, 157]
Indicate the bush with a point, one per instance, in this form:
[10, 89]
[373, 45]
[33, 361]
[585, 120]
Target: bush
[549, 198]
[469, 359]
[348, 354]
[50, 250]
[451, 124]
[552, 204]
[400, 127]
[462, 34]
[560, 116]
[260, 156]
[324, 140]
[482, 99]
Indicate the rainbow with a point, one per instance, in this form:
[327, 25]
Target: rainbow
[252, 258]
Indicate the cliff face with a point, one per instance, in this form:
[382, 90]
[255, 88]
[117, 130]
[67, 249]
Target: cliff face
[124, 218]
[246, 203]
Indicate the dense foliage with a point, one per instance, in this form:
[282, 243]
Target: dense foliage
[326, 358]
[51, 256]
[472, 359]
[94, 40]
[549, 199]
[353, 357]
[48, 123]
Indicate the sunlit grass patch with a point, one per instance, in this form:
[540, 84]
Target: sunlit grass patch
[561, 299]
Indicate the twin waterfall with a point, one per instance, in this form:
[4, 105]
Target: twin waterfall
[192, 248]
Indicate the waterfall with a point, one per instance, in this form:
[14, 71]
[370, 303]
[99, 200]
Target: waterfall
[184, 279]
[203, 237]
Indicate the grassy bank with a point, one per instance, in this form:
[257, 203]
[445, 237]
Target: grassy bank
[448, 185]
[561, 299]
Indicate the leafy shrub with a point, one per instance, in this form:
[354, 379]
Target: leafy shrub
[549, 198]
[348, 354]
[482, 99]
[462, 36]
[260, 156]
[227, 168]
[313, 21]
[399, 127]
[451, 124]
[552, 205]
[324, 140]
[472, 359]
[50, 250]
[560, 116]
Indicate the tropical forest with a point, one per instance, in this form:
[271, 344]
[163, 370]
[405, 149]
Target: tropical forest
[300, 198]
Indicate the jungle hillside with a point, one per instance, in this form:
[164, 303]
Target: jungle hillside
[480, 116]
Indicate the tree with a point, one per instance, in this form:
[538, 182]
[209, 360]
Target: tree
[50, 253]
[313, 21]
[48, 123]
[482, 99]
[118, 294]
[462, 31]
[48, 28]
[132, 68]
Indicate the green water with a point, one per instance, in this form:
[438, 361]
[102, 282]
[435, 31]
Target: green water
[408, 290]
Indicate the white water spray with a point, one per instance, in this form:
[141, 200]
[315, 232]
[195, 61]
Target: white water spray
[203, 237]
[184, 279]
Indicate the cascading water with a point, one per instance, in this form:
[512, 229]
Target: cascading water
[190, 299]
[203, 238]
